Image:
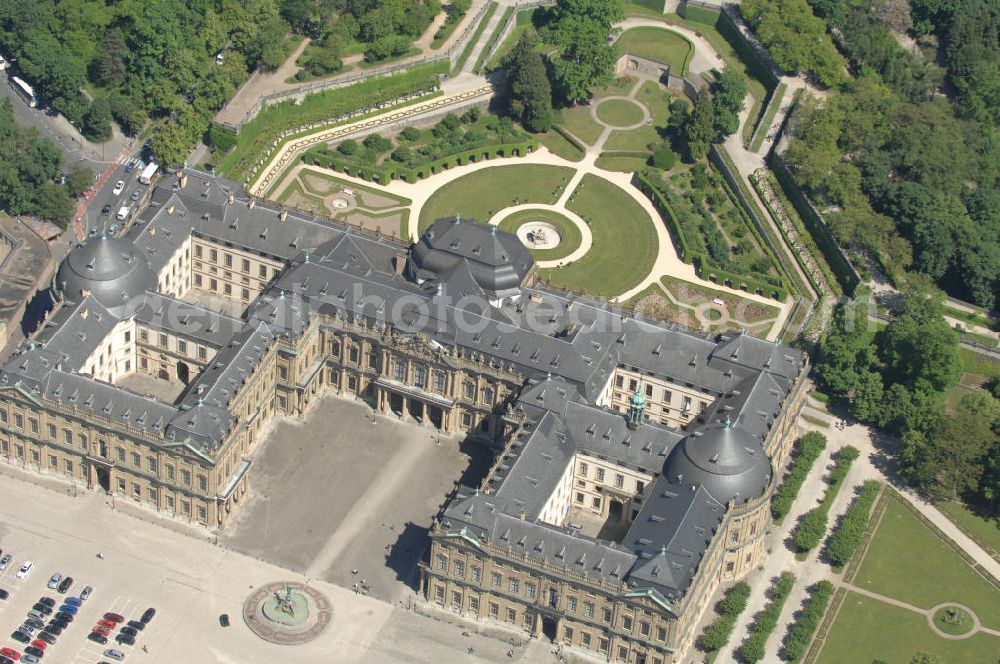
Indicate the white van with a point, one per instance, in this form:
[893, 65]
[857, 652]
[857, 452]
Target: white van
[122, 214]
[25, 569]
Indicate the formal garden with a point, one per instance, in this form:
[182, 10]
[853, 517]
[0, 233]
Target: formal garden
[907, 560]
[549, 235]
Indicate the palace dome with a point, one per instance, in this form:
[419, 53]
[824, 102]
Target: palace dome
[110, 269]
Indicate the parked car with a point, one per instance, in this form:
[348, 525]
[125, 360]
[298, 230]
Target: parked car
[116, 655]
[47, 601]
[69, 608]
[6, 660]
[4, 594]
[10, 652]
[48, 637]
[119, 186]
[135, 624]
[148, 614]
[86, 593]
[72, 601]
[65, 585]
[5, 561]
[25, 569]
[44, 609]
[114, 617]
[125, 639]
[54, 629]
[29, 659]
[224, 620]
[106, 210]
[107, 623]
[65, 617]
[28, 629]
[35, 613]
[40, 644]
[20, 636]
[135, 195]
[97, 638]
[32, 650]
[100, 629]
[130, 165]
[131, 631]
[54, 580]
[34, 622]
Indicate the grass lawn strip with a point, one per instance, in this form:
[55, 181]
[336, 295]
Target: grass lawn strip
[658, 44]
[569, 235]
[623, 162]
[866, 629]
[561, 146]
[481, 194]
[937, 575]
[295, 195]
[985, 531]
[625, 242]
[619, 112]
[578, 121]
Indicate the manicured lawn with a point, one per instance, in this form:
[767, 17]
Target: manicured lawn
[577, 121]
[657, 102]
[909, 562]
[633, 139]
[624, 246]
[985, 531]
[569, 235]
[620, 162]
[619, 112]
[561, 146]
[482, 194]
[866, 629]
[657, 44]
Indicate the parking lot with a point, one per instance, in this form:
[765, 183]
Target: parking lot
[191, 582]
[332, 493]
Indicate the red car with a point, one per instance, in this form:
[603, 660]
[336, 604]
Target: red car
[107, 623]
[41, 645]
[114, 617]
[101, 629]
[11, 653]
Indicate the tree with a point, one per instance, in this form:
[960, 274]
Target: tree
[729, 92]
[699, 128]
[919, 348]
[811, 529]
[663, 158]
[529, 98]
[54, 203]
[97, 121]
[411, 134]
[962, 442]
[79, 179]
[348, 147]
[108, 66]
[580, 29]
[402, 154]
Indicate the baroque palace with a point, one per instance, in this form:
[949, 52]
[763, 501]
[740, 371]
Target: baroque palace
[635, 461]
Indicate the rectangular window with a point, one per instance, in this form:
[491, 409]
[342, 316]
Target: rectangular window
[511, 615]
[202, 353]
[121, 454]
[170, 503]
[515, 585]
[52, 431]
[474, 604]
[619, 480]
[197, 280]
[186, 507]
[597, 503]
[3, 416]
[170, 472]
[644, 628]
[568, 635]
[488, 396]
[606, 615]
[456, 599]
[83, 441]
[530, 588]
[68, 466]
[579, 497]
[121, 485]
[588, 609]
[619, 381]
[600, 474]
[439, 594]
[151, 464]
[227, 288]
[585, 639]
[399, 371]
[661, 633]
[246, 265]
[245, 294]
[53, 462]
[282, 372]
[136, 491]
[186, 477]
[460, 569]
[602, 645]
[420, 376]
[469, 390]
[18, 420]
[197, 250]
[352, 354]
[477, 574]
[262, 272]
[19, 451]
[582, 469]
[571, 603]
[439, 382]
[627, 623]
[33, 425]
[623, 653]
[35, 456]
[202, 513]
[494, 610]
[136, 459]
[182, 347]
[497, 579]
[202, 483]
[442, 563]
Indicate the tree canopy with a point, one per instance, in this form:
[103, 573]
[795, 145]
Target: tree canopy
[529, 95]
[585, 58]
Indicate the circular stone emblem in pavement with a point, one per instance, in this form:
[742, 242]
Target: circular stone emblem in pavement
[287, 613]
[539, 235]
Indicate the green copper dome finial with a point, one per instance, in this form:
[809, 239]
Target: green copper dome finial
[637, 408]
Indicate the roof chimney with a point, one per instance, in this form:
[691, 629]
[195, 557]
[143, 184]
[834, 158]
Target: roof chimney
[183, 180]
[282, 216]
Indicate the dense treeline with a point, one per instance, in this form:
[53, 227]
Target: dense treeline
[29, 168]
[846, 539]
[808, 620]
[905, 174]
[716, 635]
[807, 450]
[795, 37]
[896, 379]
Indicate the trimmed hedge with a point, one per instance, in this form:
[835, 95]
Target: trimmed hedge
[716, 635]
[752, 649]
[699, 14]
[802, 629]
[645, 181]
[325, 157]
[321, 108]
[846, 539]
[813, 525]
[808, 449]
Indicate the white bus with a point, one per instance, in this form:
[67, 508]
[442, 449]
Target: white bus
[26, 91]
[147, 173]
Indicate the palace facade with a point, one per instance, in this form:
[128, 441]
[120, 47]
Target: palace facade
[635, 461]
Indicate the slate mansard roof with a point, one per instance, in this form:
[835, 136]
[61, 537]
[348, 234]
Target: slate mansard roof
[566, 349]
